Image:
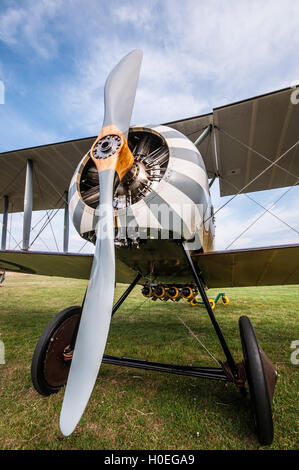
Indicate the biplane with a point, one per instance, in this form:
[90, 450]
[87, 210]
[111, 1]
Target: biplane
[141, 195]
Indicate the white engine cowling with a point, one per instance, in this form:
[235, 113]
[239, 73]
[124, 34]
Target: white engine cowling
[164, 195]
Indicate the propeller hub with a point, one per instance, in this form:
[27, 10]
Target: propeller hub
[107, 146]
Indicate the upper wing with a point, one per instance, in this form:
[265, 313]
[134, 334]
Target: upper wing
[249, 136]
[53, 165]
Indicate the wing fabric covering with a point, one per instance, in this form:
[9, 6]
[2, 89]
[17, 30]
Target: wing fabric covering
[250, 267]
[247, 137]
[70, 265]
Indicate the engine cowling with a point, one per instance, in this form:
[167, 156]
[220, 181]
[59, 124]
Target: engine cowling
[164, 195]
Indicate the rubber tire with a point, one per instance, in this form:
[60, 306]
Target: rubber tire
[37, 364]
[258, 388]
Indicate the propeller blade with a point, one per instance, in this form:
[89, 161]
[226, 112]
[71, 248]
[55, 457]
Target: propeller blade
[112, 157]
[96, 315]
[120, 91]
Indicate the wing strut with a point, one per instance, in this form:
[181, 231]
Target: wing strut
[4, 223]
[28, 204]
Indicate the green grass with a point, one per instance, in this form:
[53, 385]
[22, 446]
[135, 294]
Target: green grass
[135, 409]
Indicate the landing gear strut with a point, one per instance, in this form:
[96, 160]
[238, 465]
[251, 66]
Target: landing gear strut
[53, 355]
[259, 370]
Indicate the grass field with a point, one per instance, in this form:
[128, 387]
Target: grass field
[134, 409]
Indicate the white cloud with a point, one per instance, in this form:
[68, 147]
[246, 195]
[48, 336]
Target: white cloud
[27, 25]
[196, 56]
[246, 46]
[18, 131]
[138, 15]
[165, 90]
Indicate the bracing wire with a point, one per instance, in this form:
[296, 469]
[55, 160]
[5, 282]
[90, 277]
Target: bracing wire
[9, 231]
[12, 181]
[273, 163]
[198, 340]
[49, 217]
[45, 225]
[31, 230]
[263, 213]
[55, 241]
[256, 177]
[61, 196]
[52, 215]
[83, 246]
[10, 234]
[42, 197]
[255, 151]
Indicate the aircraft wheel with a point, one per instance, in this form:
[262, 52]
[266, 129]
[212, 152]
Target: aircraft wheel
[225, 300]
[49, 370]
[257, 381]
[212, 303]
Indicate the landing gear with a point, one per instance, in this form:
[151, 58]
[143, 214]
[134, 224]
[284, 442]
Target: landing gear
[261, 377]
[49, 367]
[259, 370]
[53, 353]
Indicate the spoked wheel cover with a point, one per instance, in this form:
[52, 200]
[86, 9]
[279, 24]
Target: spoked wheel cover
[49, 370]
[259, 393]
[56, 369]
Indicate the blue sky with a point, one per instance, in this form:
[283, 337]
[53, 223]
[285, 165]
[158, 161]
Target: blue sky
[55, 56]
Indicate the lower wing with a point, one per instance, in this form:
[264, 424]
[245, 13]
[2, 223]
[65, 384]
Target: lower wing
[276, 265]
